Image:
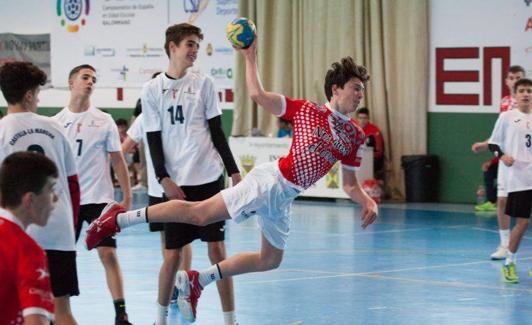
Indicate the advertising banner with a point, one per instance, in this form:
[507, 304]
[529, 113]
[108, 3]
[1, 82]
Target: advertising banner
[473, 43]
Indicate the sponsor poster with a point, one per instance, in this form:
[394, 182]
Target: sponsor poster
[124, 39]
[253, 151]
[472, 44]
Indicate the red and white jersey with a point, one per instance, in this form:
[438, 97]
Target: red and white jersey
[507, 103]
[322, 136]
[25, 288]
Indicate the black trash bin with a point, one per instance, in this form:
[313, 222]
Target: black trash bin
[421, 177]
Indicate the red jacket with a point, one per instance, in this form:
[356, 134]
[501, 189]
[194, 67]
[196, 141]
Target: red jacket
[373, 131]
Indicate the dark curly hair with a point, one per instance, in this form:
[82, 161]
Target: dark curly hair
[16, 78]
[342, 72]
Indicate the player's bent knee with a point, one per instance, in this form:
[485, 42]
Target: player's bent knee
[217, 251]
[107, 255]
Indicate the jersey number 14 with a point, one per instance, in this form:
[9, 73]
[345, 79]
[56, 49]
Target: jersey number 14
[176, 114]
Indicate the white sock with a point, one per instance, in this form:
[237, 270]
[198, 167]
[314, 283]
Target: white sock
[209, 275]
[510, 258]
[230, 318]
[504, 234]
[162, 313]
[130, 218]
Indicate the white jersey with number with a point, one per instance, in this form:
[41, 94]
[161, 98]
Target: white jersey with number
[137, 134]
[180, 108]
[32, 132]
[513, 134]
[93, 134]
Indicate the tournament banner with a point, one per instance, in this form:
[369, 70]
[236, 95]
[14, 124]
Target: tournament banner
[253, 151]
[122, 39]
[30, 48]
[472, 45]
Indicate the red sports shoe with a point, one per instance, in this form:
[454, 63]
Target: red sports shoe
[187, 283]
[104, 226]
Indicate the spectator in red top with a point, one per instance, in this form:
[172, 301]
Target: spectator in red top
[27, 181]
[373, 139]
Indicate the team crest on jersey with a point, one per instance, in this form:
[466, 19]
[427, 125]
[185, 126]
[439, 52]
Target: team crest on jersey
[78, 127]
[190, 91]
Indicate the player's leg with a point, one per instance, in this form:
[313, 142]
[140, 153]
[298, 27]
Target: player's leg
[217, 254]
[113, 273]
[502, 218]
[520, 206]
[63, 312]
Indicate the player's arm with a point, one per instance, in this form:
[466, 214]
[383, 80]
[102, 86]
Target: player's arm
[128, 144]
[35, 320]
[221, 145]
[357, 194]
[497, 139]
[75, 196]
[122, 174]
[271, 102]
[479, 146]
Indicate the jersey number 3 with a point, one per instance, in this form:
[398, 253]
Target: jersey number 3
[528, 143]
[176, 114]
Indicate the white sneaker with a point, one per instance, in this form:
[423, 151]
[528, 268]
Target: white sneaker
[500, 253]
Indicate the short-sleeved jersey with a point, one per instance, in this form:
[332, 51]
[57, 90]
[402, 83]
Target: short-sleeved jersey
[25, 288]
[180, 109]
[32, 132]
[513, 134]
[322, 136]
[92, 134]
[137, 134]
[507, 103]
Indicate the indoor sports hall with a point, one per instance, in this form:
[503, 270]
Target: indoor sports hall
[376, 157]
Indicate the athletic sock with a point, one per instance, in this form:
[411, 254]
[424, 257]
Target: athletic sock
[162, 313]
[120, 308]
[504, 234]
[209, 275]
[510, 258]
[230, 318]
[130, 218]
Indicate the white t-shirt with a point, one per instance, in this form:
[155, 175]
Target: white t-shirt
[513, 134]
[137, 134]
[29, 131]
[180, 108]
[92, 134]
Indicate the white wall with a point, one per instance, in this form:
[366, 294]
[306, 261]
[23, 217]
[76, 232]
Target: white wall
[38, 17]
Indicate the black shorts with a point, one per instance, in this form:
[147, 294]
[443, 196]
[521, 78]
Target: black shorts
[519, 204]
[63, 273]
[89, 212]
[153, 200]
[180, 234]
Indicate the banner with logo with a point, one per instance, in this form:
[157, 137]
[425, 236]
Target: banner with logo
[472, 45]
[124, 39]
[250, 152]
[30, 48]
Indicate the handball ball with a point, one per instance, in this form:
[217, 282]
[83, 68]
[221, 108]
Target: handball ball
[241, 32]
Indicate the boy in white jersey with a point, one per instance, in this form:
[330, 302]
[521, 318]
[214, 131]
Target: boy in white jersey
[514, 74]
[23, 130]
[322, 136]
[511, 141]
[136, 135]
[182, 121]
[94, 139]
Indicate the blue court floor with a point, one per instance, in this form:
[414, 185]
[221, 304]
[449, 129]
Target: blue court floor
[419, 264]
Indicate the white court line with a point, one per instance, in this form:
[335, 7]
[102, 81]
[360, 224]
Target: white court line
[493, 231]
[364, 274]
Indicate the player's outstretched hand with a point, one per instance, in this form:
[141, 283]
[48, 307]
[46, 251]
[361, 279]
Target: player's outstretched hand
[370, 212]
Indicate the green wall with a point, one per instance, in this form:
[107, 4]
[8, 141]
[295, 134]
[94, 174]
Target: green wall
[126, 113]
[450, 138]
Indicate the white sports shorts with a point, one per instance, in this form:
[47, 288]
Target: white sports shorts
[266, 193]
[502, 171]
